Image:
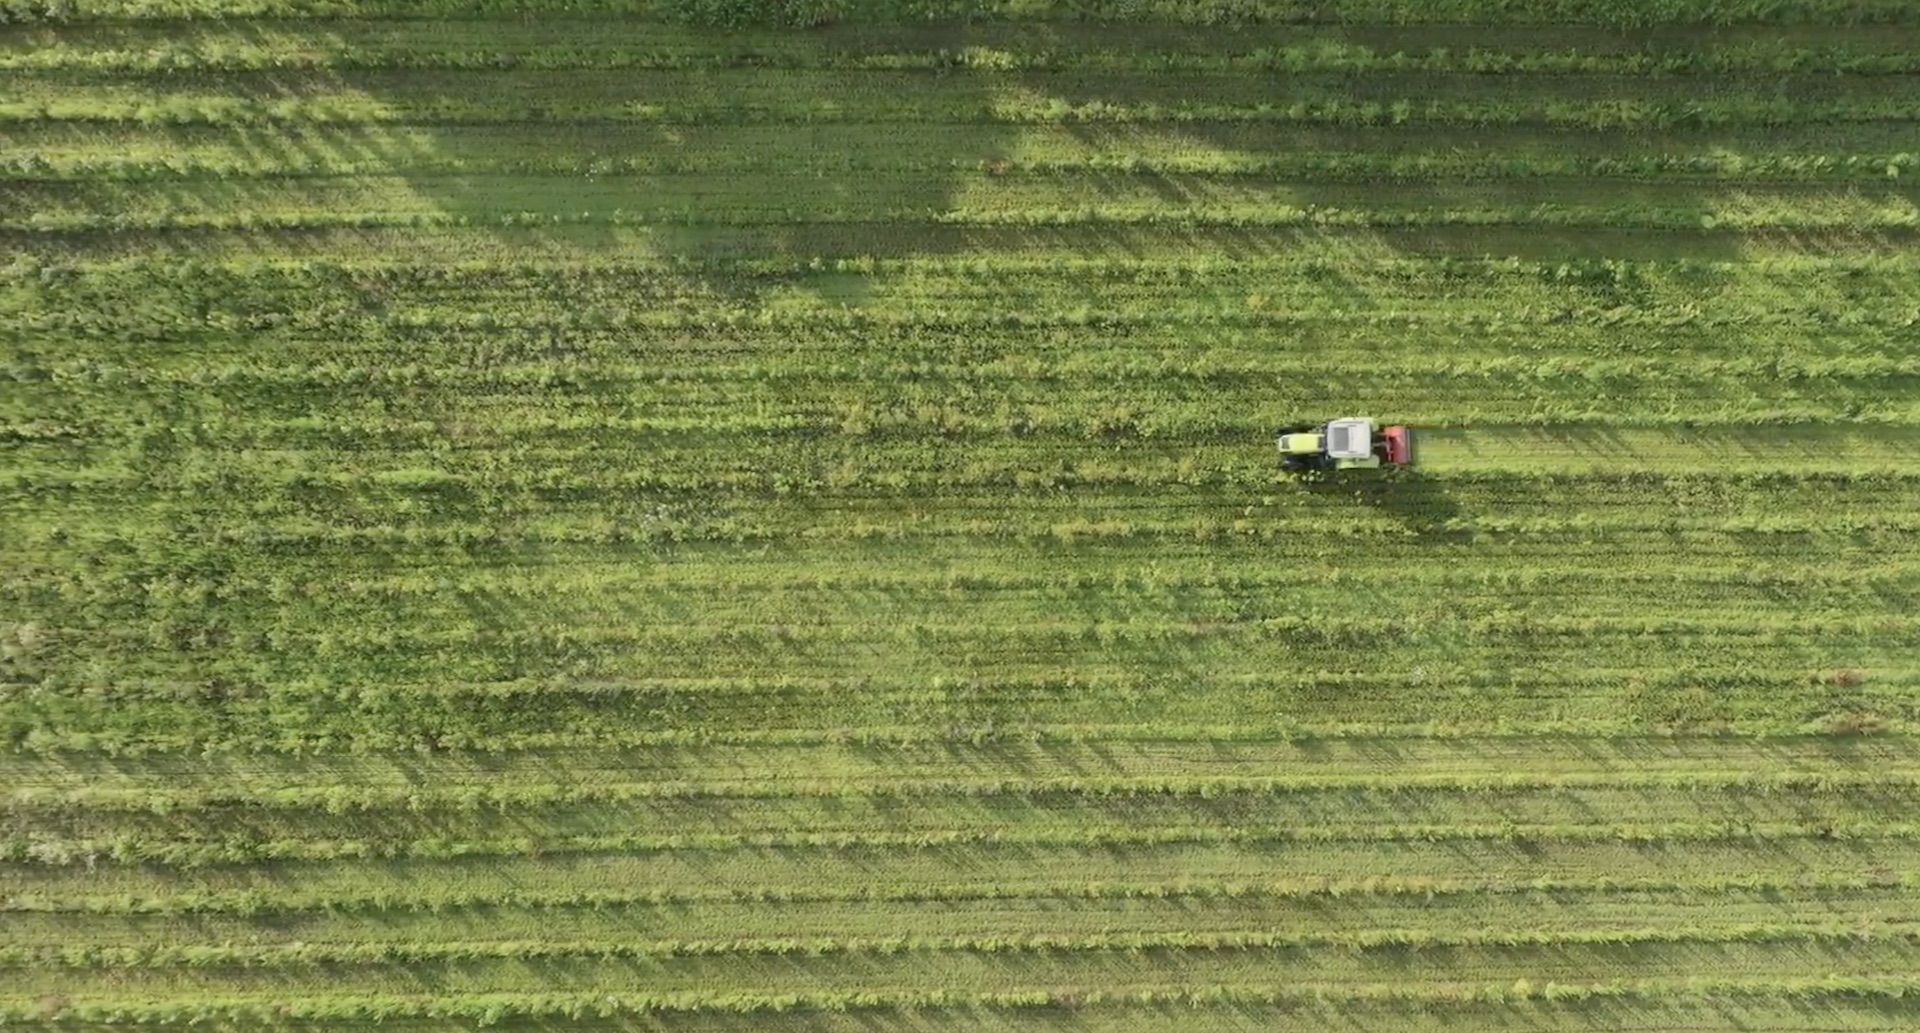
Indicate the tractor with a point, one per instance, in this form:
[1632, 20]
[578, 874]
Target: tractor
[1352, 443]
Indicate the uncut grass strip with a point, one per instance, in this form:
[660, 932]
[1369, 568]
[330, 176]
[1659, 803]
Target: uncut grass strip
[305, 954]
[187, 855]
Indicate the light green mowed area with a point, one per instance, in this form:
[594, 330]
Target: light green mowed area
[558, 516]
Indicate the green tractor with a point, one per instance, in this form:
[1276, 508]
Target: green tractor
[1352, 443]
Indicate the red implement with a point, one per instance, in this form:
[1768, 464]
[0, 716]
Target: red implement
[1399, 445]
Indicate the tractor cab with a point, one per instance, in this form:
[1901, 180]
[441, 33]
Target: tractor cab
[1350, 443]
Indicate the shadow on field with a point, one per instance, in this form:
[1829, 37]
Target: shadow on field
[1417, 500]
[546, 140]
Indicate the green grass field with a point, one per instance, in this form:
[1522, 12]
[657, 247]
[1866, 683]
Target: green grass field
[665, 515]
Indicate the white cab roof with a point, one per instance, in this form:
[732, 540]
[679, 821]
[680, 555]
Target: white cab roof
[1350, 438]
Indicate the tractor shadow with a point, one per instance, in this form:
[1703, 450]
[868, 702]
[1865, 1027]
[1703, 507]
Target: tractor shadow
[1417, 501]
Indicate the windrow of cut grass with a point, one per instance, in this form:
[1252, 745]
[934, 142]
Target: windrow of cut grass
[285, 912]
[951, 302]
[967, 872]
[1124, 753]
[1418, 104]
[1860, 152]
[914, 981]
[1348, 915]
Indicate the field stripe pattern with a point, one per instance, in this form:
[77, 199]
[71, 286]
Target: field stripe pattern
[572, 516]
